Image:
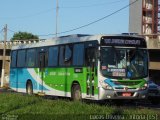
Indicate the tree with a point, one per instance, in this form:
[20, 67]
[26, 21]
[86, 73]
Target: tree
[24, 36]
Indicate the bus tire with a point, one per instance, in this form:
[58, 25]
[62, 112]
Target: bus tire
[29, 88]
[76, 93]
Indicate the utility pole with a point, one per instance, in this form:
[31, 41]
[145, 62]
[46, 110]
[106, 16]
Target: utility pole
[57, 8]
[4, 56]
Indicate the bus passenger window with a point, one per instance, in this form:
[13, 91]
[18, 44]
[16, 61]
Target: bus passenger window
[21, 58]
[31, 58]
[68, 55]
[78, 54]
[53, 56]
[13, 59]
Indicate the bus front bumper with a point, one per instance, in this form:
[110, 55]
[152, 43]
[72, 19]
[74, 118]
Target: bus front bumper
[122, 94]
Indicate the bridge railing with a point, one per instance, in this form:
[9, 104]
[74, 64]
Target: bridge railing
[9, 44]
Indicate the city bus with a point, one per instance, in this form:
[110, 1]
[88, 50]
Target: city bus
[95, 67]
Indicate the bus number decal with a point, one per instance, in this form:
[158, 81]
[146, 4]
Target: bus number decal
[78, 70]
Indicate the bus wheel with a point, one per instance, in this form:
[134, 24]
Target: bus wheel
[29, 88]
[76, 93]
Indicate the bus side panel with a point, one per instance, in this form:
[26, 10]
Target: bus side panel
[19, 78]
[36, 79]
[55, 78]
[13, 82]
[61, 80]
[80, 75]
[69, 80]
[77, 76]
[23, 76]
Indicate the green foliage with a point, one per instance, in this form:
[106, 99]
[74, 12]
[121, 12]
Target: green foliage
[24, 107]
[24, 36]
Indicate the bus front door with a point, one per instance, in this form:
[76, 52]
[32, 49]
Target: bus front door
[42, 65]
[91, 71]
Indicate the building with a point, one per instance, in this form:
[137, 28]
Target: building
[144, 19]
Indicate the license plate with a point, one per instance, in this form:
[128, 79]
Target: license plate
[126, 94]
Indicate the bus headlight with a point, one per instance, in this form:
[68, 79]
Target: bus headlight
[105, 85]
[144, 87]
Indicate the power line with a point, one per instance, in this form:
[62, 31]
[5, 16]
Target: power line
[61, 7]
[93, 5]
[1, 30]
[32, 15]
[11, 30]
[86, 25]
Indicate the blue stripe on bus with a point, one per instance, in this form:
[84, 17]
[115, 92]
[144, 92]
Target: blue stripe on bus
[23, 75]
[112, 84]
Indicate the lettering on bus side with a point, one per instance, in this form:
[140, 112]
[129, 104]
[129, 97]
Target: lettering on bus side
[59, 74]
[78, 70]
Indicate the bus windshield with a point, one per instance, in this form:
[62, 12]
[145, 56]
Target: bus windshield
[127, 63]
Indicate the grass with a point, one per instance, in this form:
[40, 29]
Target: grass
[24, 107]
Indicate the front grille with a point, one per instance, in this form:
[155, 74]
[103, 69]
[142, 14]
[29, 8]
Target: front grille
[127, 83]
[122, 88]
[130, 83]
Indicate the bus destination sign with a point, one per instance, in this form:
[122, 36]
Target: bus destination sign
[123, 42]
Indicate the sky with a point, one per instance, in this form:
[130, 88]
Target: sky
[39, 17]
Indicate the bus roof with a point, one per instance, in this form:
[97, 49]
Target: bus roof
[68, 39]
